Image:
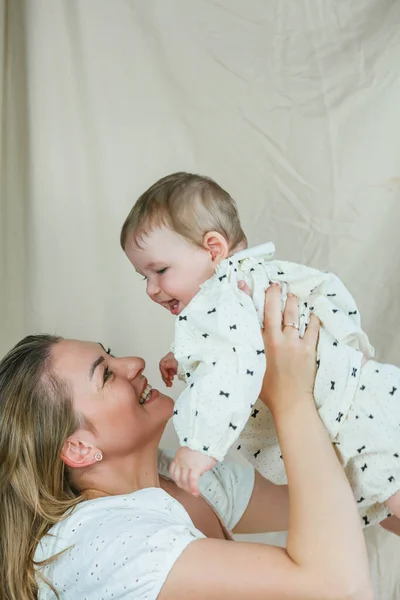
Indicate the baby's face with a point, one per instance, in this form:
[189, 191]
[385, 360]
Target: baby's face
[173, 268]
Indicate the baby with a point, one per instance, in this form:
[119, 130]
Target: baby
[184, 236]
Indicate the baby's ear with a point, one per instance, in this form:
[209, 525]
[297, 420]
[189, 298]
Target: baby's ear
[217, 245]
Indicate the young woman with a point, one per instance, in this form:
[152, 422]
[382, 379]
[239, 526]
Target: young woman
[87, 509]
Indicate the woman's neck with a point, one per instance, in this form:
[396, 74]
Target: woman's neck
[119, 476]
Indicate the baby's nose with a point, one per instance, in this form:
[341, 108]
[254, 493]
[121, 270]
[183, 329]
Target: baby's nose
[152, 289]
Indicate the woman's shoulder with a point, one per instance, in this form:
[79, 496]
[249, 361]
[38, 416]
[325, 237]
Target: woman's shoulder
[104, 540]
[107, 516]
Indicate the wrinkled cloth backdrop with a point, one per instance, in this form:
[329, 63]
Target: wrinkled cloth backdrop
[294, 107]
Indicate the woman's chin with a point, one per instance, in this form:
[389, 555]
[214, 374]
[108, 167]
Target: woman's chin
[162, 408]
[169, 405]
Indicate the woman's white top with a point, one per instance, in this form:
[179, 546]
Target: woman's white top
[123, 547]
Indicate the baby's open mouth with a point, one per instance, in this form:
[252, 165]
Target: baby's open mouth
[174, 306]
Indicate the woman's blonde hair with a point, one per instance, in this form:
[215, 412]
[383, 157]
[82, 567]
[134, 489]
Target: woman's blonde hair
[36, 418]
[189, 204]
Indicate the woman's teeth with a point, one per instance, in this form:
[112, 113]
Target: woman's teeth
[146, 394]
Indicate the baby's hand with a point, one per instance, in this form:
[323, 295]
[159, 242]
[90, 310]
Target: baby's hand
[187, 467]
[168, 368]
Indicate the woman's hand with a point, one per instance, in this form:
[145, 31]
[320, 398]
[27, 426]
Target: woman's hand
[291, 360]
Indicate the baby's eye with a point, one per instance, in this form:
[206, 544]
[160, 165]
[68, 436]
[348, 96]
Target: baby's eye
[161, 271]
[144, 278]
[107, 374]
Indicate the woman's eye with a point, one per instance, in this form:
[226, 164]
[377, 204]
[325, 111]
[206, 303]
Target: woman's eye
[107, 374]
[144, 278]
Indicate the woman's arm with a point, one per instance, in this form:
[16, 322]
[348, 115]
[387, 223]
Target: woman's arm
[325, 556]
[268, 508]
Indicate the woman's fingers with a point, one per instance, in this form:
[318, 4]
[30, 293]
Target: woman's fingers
[272, 312]
[312, 331]
[291, 316]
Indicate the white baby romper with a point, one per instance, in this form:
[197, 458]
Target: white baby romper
[220, 350]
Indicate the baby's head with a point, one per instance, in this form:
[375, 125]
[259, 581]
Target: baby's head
[177, 233]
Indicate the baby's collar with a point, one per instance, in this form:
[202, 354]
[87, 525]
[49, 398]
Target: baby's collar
[262, 250]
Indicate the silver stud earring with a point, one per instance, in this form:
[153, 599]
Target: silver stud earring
[98, 456]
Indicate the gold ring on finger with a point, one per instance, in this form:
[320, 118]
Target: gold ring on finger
[294, 325]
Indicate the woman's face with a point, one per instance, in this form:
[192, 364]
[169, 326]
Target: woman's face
[112, 395]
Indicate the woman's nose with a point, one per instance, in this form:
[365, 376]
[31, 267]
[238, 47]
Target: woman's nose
[133, 366]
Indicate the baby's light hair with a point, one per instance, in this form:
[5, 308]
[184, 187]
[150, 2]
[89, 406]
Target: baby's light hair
[189, 204]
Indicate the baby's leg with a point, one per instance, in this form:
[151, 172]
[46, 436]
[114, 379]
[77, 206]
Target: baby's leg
[393, 523]
[368, 444]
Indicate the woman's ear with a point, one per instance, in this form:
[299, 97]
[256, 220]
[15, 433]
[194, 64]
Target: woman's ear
[217, 245]
[78, 454]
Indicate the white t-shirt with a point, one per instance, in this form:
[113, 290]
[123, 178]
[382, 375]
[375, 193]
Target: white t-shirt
[123, 547]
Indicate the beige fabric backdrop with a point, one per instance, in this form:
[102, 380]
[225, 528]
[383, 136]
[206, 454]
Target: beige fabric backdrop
[293, 106]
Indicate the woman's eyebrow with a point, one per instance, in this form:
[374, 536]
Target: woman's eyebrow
[93, 367]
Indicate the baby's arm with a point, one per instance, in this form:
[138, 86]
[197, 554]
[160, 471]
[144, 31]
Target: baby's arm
[168, 368]
[222, 337]
[187, 468]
